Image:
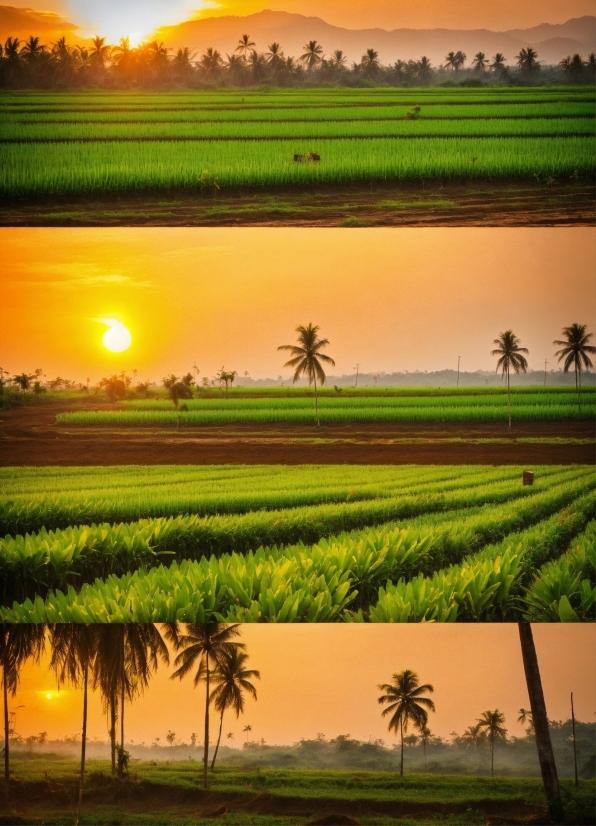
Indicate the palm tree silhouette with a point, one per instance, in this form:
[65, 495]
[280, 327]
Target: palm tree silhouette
[73, 656]
[509, 353]
[247, 729]
[245, 44]
[480, 62]
[202, 645]
[406, 704]
[232, 679]
[525, 716]
[313, 54]
[544, 746]
[492, 723]
[18, 643]
[574, 351]
[498, 64]
[527, 60]
[425, 735]
[306, 358]
[338, 59]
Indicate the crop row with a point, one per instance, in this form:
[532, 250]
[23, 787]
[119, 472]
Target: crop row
[423, 413]
[339, 401]
[564, 590]
[301, 390]
[33, 564]
[323, 583]
[34, 506]
[30, 168]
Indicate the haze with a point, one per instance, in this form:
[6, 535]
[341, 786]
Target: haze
[304, 689]
[389, 300]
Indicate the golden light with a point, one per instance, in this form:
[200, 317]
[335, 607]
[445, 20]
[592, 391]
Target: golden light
[117, 337]
[136, 38]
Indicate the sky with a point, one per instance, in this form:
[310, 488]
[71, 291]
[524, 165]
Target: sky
[118, 18]
[304, 690]
[387, 299]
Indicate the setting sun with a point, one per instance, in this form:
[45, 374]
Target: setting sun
[117, 337]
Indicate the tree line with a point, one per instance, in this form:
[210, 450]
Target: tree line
[33, 64]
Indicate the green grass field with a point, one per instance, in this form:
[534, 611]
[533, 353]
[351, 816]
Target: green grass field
[291, 544]
[56, 143]
[165, 792]
[367, 405]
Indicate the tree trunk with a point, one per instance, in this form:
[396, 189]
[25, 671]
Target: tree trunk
[121, 756]
[113, 729]
[492, 754]
[6, 724]
[317, 404]
[544, 746]
[206, 746]
[424, 749]
[508, 398]
[401, 764]
[218, 739]
[574, 741]
[83, 741]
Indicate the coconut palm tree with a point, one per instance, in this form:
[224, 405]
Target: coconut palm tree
[338, 59]
[247, 730]
[18, 643]
[527, 60]
[370, 62]
[202, 646]
[406, 704]
[480, 62]
[455, 60]
[425, 735]
[424, 70]
[492, 723]
[498, 64]
[306, 358]
[210, 63]
[574, 351]
[313, 54]
[245, 45]
[473, 736]
[100, 52]
[74, 647]
[525, 716]
[232, 679]
[546, 756]
[509, 353]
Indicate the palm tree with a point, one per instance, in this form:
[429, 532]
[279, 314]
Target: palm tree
[498, 64]
[18, 643]
[455, 60]
[232, 679]
[32, 49]
[306, 358]
[338, 59]
[313, 54]
[574, 351]
[544, 746]
[245, 44]
[525, 716]
[202, 645]
[473, 736]
[247, 729]
[370, 62]
[73, 656]
[424, 69]
[480, 62]
[425, 735]
[527, 60]
[406, 704]
[100, 51]
[492, 723]
[509, 353]
[210, 63]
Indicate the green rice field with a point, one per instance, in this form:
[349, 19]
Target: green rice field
[396, 405]
[294, 544]
[57, 143]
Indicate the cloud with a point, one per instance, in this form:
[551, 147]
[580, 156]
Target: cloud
[93, 278]
[22, 22]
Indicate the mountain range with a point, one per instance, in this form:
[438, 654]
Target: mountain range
[552, 41]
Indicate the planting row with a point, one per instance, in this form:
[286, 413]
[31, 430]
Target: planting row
[82, 167]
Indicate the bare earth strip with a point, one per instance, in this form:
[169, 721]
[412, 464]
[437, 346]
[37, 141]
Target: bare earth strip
[479, 203]
[30, 437]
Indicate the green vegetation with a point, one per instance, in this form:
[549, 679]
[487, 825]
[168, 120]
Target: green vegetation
[59, 143]
[433, 543]
[530, 404]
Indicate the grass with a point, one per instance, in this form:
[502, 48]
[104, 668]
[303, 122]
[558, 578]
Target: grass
[124, 141]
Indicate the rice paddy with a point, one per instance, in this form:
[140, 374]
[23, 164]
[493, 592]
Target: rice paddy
[287, 544]
[57, 143]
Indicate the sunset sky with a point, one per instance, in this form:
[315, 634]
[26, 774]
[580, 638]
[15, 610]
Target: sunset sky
[115, 18]
[323, 678]
[387, 299]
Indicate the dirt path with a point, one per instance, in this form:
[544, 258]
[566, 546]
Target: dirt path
[29, 436]
[478, 203]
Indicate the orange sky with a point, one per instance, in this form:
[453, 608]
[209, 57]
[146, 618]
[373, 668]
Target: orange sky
[116, 18]
[387, 299]
[323, 678]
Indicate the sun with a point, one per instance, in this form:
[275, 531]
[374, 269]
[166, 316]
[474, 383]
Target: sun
[117, 337]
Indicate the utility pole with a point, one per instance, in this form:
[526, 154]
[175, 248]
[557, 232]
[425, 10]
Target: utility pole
[574, 743]
[458, 361]
[545, 363]
[356, 369]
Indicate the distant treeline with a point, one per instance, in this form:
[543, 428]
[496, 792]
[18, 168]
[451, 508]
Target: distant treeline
[33, 64]
[460, 755]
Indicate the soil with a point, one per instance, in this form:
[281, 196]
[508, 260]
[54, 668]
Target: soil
[436, 203]
[30, 436]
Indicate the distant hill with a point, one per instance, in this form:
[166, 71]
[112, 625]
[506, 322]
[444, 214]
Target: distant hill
[553, 42]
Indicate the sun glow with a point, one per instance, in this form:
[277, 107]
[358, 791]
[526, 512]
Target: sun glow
[117, 337]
